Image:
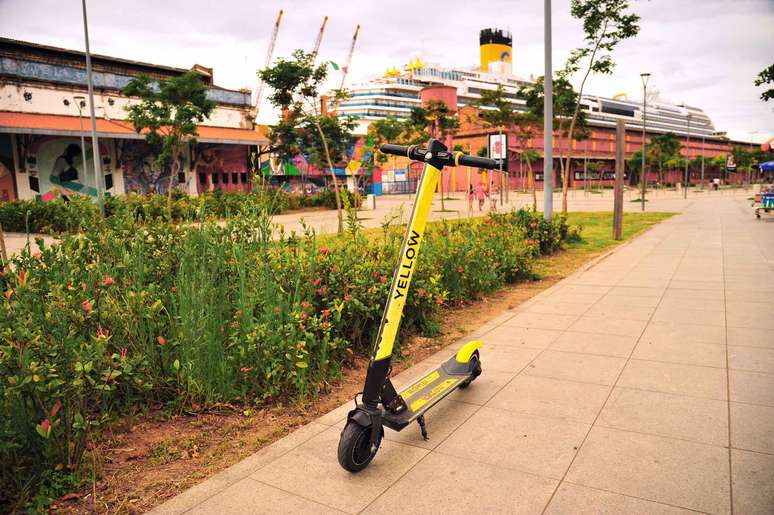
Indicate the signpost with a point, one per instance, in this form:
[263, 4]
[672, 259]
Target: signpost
[620, 134]
[498, 150]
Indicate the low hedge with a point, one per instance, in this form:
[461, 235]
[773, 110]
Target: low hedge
[123, 316]
[79, 213]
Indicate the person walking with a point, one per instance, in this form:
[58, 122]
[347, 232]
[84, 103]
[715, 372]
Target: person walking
[471, 197]
[493, 191]
[480, 195]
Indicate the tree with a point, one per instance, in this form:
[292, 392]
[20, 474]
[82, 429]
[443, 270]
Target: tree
[434, 119]
[169, 111]
[530, 155]
[605, 23]
[766, 77]
[565, 102]
[497, 112]
[295, 84]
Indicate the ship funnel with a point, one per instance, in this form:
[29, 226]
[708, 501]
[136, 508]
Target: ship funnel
[496, 46]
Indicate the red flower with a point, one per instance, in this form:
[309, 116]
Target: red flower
[8, 294]
[374, 274]
[438, 299]
[459, 269]
[347, 298]
[86, 305]
[382, 279]
[245, 370]
[102, 333]
[123, 354]
[45, 426]
[326, 313]
[324, 250]
[334, 269]
[421, 292]
[55, 409]
[321, 291]
[162, 341]
[317, 281]
[22, 278]
[304, 316]
[107, 281]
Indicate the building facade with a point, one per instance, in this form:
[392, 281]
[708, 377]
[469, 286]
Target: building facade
[45, 129]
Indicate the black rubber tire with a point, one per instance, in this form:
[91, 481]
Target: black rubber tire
[355, 447]
[475, 362]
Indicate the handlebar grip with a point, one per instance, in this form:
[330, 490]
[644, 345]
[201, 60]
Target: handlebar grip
[478, 162]
[398, 150]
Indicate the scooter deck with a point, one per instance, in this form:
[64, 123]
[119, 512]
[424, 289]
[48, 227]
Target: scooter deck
[427, 391]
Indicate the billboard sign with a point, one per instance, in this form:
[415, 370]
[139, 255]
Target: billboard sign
[498, 150]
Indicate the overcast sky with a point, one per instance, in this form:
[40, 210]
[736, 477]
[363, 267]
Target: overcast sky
[702, 52]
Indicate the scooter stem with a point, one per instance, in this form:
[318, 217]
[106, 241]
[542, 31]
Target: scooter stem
[381, 357]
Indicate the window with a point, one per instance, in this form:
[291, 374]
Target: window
[225, 178]
[214, 178]
[202, 178]
[234, 178]
[243, 176]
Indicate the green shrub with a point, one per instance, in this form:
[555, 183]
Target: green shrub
[123, 316]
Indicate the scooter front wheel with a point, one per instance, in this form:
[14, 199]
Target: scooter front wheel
[355, 450]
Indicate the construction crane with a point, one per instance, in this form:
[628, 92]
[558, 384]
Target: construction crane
[349, 58]
[319, 38]
[269, 54]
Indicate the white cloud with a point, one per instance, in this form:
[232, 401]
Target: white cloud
[703, 52]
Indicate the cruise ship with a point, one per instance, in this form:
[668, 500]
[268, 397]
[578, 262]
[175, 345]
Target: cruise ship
[398, 91]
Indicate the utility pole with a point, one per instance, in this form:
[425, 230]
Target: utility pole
[94, 140]
[643, 173]
[687, 151]
[620, 157]
[702, 161]
[548, 117]
[80, 102]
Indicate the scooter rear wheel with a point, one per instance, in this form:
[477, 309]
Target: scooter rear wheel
[475, 363]
[355, 446]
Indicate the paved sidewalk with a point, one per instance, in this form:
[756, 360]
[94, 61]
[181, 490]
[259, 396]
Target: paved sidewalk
[642, 384]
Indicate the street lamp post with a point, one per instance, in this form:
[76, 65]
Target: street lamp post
[643, 176]
[687, 150]
[94, 140]
[80, 103]
[548, 117]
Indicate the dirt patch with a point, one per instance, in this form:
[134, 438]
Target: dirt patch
[142, 464]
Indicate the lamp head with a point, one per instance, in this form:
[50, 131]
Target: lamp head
[645, 77]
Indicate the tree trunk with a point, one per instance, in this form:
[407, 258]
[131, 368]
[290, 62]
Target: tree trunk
[172, 174]
[532, 180]
[333, 175]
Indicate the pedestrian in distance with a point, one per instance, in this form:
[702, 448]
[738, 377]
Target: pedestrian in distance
[471, 198]
[480, 195]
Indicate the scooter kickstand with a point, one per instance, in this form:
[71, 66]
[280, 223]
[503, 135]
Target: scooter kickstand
[422, 427]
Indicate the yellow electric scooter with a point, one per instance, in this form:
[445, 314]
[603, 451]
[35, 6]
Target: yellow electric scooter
[381, 405]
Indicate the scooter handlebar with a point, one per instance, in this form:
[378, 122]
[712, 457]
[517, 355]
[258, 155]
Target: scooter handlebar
[418, 153]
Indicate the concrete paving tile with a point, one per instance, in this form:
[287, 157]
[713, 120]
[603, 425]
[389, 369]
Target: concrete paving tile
[541, 321]
[630, 300]
[752, 387]
[752, 478]
[613, 309]
[191, 498]
[734, 295]
[607, 325]
[630, 291]
[697, 302]
[706, 382]
[251, 496]
[751, 358]
[690, 353]
[507, 358]
[483, 388]
[757, 316]
[684, 332]
[679, 315]
[695, 285]
[581, 500]
[750, 337]
[591, 343]
[675, 472]
[689, 295]
[585, 289]
[312, 471]
[664, 414]
[752, 427]
[270, 453]
[521, 336]
[441, 420]
[538, 445]
[558, 308]
[575, 298]
[549, 397]
[335, 416]
[585, 368]
[456, 485]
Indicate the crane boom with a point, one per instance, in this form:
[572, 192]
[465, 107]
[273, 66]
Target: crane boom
[349, 58]
[319, 37]
[269, 54]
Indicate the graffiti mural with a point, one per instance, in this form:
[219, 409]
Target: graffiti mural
[142, 173]
[7, 190]
[221, 167]
[55, 166]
